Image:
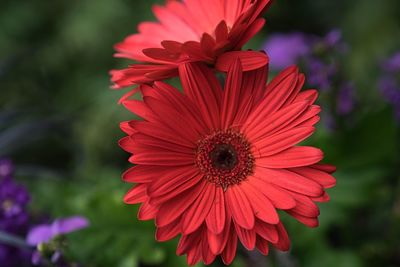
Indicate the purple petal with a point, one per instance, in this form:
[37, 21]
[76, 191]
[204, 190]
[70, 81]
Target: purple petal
[56, 256]
[6, 167]
[36, 258]
[68, 225]
[346, 99]
[393, 63]
[286, 49]
[333, 37]
[39, 234]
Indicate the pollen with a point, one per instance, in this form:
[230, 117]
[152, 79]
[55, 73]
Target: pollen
[225, 158]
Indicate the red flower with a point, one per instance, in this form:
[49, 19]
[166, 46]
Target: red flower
[215, 165]
[192, 30]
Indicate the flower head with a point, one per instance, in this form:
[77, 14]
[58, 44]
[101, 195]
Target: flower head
[215, 165]
[191, 30]
[14, 218]
[49, 238]
[13, 201]
[45, 232]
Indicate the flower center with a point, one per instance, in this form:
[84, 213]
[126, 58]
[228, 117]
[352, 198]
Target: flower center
[225, 158]
[7, 205]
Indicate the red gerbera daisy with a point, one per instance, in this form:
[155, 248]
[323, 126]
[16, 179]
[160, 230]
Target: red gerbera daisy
[215, 165]
[191, 30]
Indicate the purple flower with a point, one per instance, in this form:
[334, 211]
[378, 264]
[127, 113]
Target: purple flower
[6, 168]
[392, 64]
[389, 83]
[320, 73]
[46, 232]
[48, 238]
[345, 99]
[286, 49]
[333, 38]
[13, 201]
[13, 215]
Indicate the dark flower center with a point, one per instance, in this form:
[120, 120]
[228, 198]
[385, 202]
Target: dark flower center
[225, 158]
[7, 205]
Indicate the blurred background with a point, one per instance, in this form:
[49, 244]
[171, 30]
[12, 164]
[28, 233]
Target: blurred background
[59, 128]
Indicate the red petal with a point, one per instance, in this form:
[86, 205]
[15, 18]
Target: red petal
[208, 256]
[158, 199]
[232, 92]
[321, 177]
[126, 128]
[136, 194]
[189, 242]
[281, 141]
[221, 32]
[217, 242]
[324, 198]
[260, 124]
[161, 54]
[309, 221]
[307, 118]
[162, 159]
[247, 237]
[262, 207]
[140, 109]
[177, 27]
[198, 211]
[250, 60]
[169, 231]
[172, 46]
[251, 31]
[174, 208]
[278, 93]
[230, 250]
[216, 217]
[181, 102]
[172, 180]
[163, 74]
[161, 132]
[174, 119]
[239, 207]
[194, 255]
[309, 95]
[207, 45]
[325, 167]
[141, 174]
[262, 246]
[202, 87]
[253, 89]
[297, 156]
[140, 143]
[290, 181]
[267, 231]
[147, 211]
[195, 53]
[284, 242]
[279, 198]
[305, 206]
[300, 82]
